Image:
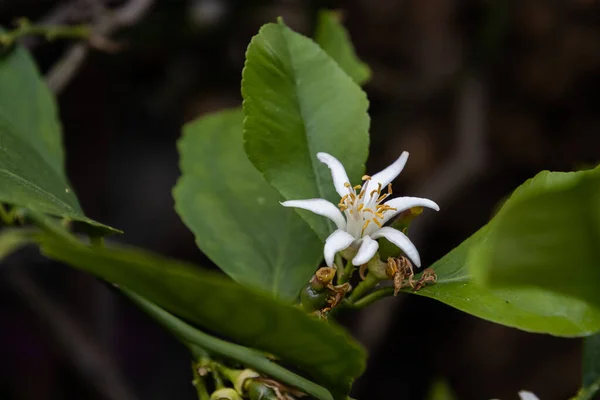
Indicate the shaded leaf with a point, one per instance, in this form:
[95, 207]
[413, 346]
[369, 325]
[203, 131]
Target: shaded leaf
[235, 214]
[31, 156]
[546, 235]
[219, 305]
[529, 309]
[299, 102]
[335, 41]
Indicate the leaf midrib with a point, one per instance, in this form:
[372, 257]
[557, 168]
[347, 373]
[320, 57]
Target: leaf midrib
[284, 30]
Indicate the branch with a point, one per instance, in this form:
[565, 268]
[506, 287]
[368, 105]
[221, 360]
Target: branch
[107, 23]
[50, 32]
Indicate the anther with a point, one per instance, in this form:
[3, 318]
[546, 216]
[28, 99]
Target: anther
[366, 178]
[376, 222]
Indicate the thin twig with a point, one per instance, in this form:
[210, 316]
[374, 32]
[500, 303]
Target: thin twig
[107, 23]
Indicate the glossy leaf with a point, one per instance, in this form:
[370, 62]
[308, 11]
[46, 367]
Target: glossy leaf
[299, 102]
[529, 309]
[335, 41]
[203, 343]
[546, 235]
[235, 214]
[31, 156]
[214, 303]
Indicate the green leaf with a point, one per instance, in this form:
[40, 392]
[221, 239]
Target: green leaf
[31, 156]
[299, 102]
[199, 341]
[335, 41]
[546, 235]
[235, 214]
[219, 305]
[528, 309]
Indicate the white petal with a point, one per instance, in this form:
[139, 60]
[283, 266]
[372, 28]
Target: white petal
[400, 240]
[338, 172]
[337, 241]
[367, 250]
[319, 207]
[525, 395]
[404, 203]
[389, 174]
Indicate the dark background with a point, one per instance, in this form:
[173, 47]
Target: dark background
[484, 94]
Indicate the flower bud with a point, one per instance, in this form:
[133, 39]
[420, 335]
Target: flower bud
[243, 379]
[225, 394]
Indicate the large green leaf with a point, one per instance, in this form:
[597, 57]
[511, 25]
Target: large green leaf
[334, 39]
[31, 157]
[235, 214]
[219, 305]
[546, 235]
[299, 102]
[529, 309]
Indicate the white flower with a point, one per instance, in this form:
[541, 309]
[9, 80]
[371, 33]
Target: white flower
[365, 212]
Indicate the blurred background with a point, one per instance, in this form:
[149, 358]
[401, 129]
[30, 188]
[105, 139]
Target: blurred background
[484, 94]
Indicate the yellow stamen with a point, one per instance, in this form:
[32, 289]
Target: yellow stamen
[367, 222]
[379, 215]
[360, 207]
[347, 184]
[366, 178]
[368, 210]
[389, 188]
[376, 222]
[357, 187]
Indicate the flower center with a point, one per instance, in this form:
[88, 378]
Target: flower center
[364, 211]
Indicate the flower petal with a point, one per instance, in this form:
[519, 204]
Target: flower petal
[400, 240]
[367, 250]
[337, 241]
[389, 174]
[338, 172]
[319, 207]
[404, 203]
[525, 395]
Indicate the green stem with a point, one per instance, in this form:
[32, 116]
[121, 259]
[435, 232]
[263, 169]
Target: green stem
[348, 270]
[50, 32]
[373, 297]
[248, 357]
[231, 374]
[363, 288]
[199, 384]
